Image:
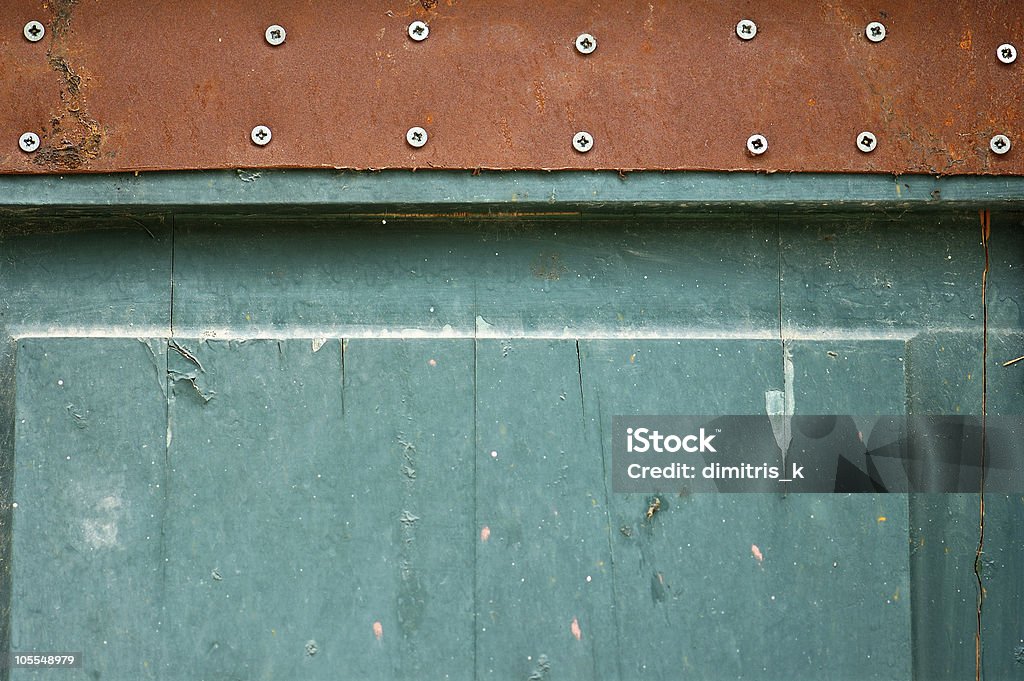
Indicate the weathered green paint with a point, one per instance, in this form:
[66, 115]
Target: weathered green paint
[8, 353]
[396, 191]
[691, 598]
[330, 276]
[90, 484]
[67, 275]
[318, 397]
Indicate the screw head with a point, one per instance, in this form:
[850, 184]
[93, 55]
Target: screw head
[866, 142]
[746, 29]
[418, 31]
[34, 31]
[583, 142]
[757, 144]
[1006, 53]
[585, 43]
[416, 137]
[875, 31]
[999, 144]
[275, 34]
[28, 142]
[260, 135]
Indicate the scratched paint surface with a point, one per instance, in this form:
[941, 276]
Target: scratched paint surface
[122, 86]
[239, 474]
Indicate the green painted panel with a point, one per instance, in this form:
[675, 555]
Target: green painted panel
[90, 486]
[1006, 274]
[332, 277]
[543, 567]
[839, 274]
[828, 598]
[85, 276]
[309, 510]
[945, 377]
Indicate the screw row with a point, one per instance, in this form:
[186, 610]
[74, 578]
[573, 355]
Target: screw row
[585, 42]
[582, 141]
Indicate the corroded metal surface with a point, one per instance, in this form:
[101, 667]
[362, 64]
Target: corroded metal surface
[119, 85]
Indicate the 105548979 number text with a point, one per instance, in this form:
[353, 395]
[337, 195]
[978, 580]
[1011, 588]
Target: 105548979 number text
[40, 660]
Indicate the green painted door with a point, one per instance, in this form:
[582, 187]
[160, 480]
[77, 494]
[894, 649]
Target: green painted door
[372, 442]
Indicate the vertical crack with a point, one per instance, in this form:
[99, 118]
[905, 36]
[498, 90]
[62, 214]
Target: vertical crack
[342, 342]
[166, 482]
[778, 231]
[986, 223]
[170, 311]
[609, 534]
[579, 369]
[8, 426]
[787, 366]
[476, 502]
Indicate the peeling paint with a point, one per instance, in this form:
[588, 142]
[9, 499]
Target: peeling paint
[779, 405]
[541, 669]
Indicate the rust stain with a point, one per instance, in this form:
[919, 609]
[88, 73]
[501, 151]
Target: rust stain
[74, 137]
[62, 10]
[575, 629]
[378, 630]
[965, 40]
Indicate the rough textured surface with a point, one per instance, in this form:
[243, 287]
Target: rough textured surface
[437, 503]
[177, 85]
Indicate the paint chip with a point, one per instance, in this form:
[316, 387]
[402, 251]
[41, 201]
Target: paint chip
[575, 629]
[756, 553]
[485, 533]
[882, 518]
[378, 630]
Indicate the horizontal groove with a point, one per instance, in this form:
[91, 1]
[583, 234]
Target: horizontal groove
[824, 334]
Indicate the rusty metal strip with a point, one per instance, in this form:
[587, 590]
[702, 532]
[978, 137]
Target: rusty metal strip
[121, 85]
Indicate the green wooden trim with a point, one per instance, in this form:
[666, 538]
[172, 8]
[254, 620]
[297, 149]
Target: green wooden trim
[533, 191]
